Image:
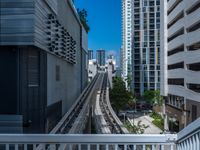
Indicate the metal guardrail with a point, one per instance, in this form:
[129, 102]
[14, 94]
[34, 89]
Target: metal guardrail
[116, 119]
[66, 123]
[89, 142]
[189, 137]
[81, 121]
[117, 125]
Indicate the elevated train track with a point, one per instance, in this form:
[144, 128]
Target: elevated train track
[75, 119]
[93, 102]
[107, 121]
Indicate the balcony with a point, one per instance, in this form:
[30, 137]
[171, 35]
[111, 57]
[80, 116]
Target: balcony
[187, 139]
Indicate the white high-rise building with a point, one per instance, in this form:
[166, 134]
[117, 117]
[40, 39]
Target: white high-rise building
[140, 51]
[126, 39]
[180, 60]
[146, 45]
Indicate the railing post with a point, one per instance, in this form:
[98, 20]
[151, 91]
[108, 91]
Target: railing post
[7, 146]
[144, 147]
[134, 147]
[79, 146]
[25, 146]
[107, 146]
[16, 147]
[177, 147]
[153, 147]
[88, 147]
[34, 146]
[194, 142]
[125, 147]
[184, 145]
[171, 147]
[116, 146]
[70, 147]
[198, 140]
[97, 147]
[188, 144]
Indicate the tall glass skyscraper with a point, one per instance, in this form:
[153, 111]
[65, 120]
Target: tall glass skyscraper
[126, 39]
[146, 45]
[101, 57]
[90, 54]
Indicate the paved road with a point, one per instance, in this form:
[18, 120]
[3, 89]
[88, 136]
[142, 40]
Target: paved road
[152, 129]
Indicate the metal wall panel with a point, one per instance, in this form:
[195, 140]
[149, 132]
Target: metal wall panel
[33, 25]
[35, 22]
[16, 25]
[11, 124]
[32, 95]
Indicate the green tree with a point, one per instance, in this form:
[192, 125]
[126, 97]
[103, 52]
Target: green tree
[158, 98]
[83, 18]
[137, 129]
[153, 96]
[149, 96]
[119, 95]
[129, 80]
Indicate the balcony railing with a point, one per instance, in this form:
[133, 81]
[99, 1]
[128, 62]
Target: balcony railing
[187, 139]
[101, 141]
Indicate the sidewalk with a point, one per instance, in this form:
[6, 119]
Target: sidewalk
[152, 129]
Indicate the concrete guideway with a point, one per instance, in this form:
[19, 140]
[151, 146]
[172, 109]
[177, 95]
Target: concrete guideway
[106, 121]
[74, 121]
[91, 108]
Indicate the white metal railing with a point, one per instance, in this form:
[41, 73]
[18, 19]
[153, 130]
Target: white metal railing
[189, 137]
[89, 142]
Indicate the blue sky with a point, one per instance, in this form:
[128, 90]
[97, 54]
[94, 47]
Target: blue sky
[104, 18]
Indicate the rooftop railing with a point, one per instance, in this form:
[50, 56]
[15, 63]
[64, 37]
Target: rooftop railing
[187, 139]
[88, 142]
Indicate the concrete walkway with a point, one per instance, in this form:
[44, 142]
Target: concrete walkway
[152, 129]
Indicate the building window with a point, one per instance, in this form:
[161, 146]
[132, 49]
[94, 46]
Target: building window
[177, 18]
[194, 87]
[194, 67]
[193, 47]
[194, 27]
[176, 50]
[158, 2]
[176, 81]
[178, 33]
[57, 73]
[174, 6]
[193, 8]
[176, 66]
